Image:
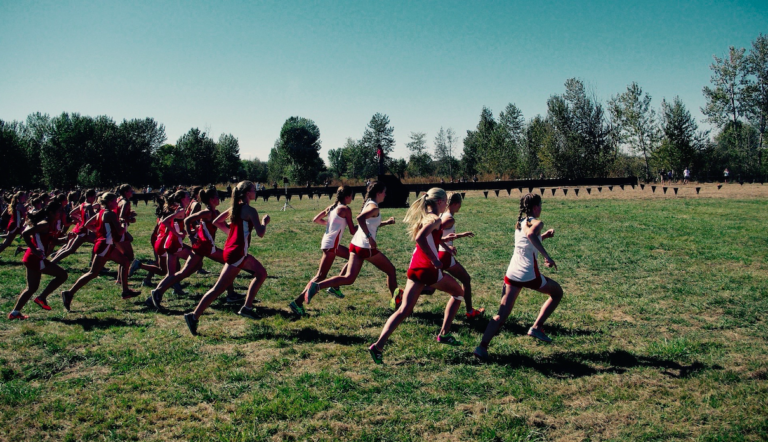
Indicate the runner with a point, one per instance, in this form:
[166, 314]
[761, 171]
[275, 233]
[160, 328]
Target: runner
[424, 227]
[80, 235]
[362, 248]
[171, 236]
[39, 230]
[203, 246]
[107, 226]
[523, 271]
[447, 253]
[339, 218]
[18, 210]
[243, 219]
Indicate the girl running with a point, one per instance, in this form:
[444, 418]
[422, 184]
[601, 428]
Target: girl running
[362, 248]
[242, 220]
[171, 239]
[339, 218]
[18, 210]
[40, 227]
[203, 246]
[107, 227]
[424, 227]
[447, 253]
[523, 271]
[80, 235]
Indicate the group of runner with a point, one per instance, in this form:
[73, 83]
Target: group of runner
[103, 219]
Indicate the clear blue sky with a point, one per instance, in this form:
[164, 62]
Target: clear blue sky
[244, 67]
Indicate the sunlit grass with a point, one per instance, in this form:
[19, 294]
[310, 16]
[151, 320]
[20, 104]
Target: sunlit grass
[661, 335]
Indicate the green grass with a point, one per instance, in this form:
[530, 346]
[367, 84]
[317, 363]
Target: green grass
[661, 336]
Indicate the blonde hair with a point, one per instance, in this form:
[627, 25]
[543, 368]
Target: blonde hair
[417, 214]
[105, 198]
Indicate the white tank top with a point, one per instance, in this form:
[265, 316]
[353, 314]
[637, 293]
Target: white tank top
[523, 266]
[334, 229]
[445, 217]
[373, 226]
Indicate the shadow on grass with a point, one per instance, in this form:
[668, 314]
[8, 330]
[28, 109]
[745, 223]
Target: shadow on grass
[11, 263]
[89, 324]
[510, 326]
[576, 365]
[304, 335]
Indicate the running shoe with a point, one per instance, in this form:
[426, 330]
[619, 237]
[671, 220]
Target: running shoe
[449, 340]
[155, 300]
[17, 251]
[396, 299]
[203, 272]
[335, 292]
[148, 303]
[376, 354]
[147, 282]
[475, 313]
[17, 315]
[248, 312]
[189, 318]
[481, 353]
[41, 302]
[130, 294]
[313, 288]
[178, 290]
[297, 309]
[538, 334]
[134, 266]
[235, 299]
[66, 299]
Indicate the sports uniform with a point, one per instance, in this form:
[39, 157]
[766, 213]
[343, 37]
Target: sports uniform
[104, 242]
[334, 230]
[172, 239]
[523, 270]
[16, 222]
[206, 232]
[421, 268]
[40, 241]
[238, 241]
[79, 228]
[360, 245]
[445, 256]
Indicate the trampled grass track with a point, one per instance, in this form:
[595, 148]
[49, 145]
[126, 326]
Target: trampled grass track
[661, 335]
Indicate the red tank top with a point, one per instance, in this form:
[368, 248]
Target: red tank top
[420, 260]
[103, 229]
[206, 230]
[239, 238]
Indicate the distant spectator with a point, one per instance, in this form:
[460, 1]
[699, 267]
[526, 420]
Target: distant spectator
[726, 174]
[686, 175]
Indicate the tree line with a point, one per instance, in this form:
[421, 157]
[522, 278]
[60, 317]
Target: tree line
[579, 136]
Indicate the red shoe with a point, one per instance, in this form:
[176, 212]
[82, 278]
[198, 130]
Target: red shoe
[43, 305]
[475, 313]
[18, 316]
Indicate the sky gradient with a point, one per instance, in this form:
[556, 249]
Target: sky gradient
[244, 67]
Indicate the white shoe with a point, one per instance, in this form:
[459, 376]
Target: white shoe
[538, 334]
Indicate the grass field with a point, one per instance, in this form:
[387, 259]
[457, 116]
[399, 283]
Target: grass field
[661, 336]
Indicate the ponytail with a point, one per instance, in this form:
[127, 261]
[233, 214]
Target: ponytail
[527, 203]
[374, 189]
[238, 199]
[341, 193]
[417, 215]
[205, 195]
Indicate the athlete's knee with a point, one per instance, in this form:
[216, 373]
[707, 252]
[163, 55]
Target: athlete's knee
[260, 273]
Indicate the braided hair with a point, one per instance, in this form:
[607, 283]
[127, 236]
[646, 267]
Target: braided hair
[527, 203]
[341, 193]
